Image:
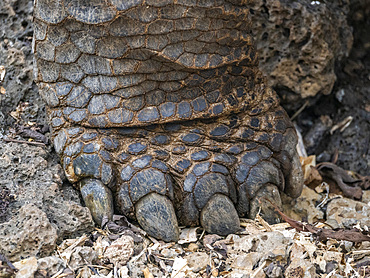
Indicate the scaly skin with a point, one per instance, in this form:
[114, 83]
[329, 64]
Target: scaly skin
[158, 108]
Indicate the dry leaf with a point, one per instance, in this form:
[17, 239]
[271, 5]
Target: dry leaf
[2, 73]
[147, 273]
[2, 91]
[188, 235]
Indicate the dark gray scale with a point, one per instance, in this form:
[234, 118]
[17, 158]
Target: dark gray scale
[236, 149]
[49, 71]
[45, 50]
[84, 42]
[106, 156]
[182, 165]
[155, 98]
[143, 13]
[159, 165]
[125, 5]
[125, 26]
[106, 174]
[100, 103]
[251, 157]
[57, 122]
[213, 96]
[72, 73]
[100, 84]
[265, 172]
[120, 115]
[123, 200]
[87, 165]
[92, 64]
[50, 11]
[39, 30]
[110, 143]
[242, 171]
[219, 169]
[156, 42]
[201, 168]
[99, 121]
[179, 149]
[111, 47]
[189, 211]
[191, 138]
[207, 186]
[127, 172]
[189, 182]
[63, 88]
[134, 103]
[136, 148]
[146, 181]
[225, 159]
[142, 162]
[200, 155]
[220, 131]
[78, 97]
[160, 139]
[161, 154]
[89, 136]
[57, 35]
[66, 53]
[90, 11]
[59, 141]
[78, 115]
[131, 80]
[217, 109]
[199, 104]
[184, 109]
[160, 26]
[91, 147]
[148, 114]
[173, 51]
[74, 131]
[167, 109]
[275, 141]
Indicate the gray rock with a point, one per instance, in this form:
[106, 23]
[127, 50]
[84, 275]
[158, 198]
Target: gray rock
[35, 237]
[298, 45]
[35, 179]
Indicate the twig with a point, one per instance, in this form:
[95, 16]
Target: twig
[24, 142]
[299, 111]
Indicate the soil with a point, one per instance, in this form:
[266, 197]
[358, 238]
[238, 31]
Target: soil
[322, 123]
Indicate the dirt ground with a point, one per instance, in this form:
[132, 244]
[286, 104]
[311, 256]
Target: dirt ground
[336, 242]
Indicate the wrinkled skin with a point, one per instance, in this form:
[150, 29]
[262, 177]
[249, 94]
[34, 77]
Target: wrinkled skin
[159, 111]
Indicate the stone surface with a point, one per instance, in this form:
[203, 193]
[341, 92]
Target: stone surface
[347, 212]
[26, 268]
[298, 46]
[120, 251]
[51, 265]
[35, 237]
[34, 178]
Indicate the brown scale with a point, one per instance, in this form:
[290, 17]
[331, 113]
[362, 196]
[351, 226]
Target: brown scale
[159, 110]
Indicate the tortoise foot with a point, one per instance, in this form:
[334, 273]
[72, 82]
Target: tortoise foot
[98, 198]
[219, 216]
[156, 215]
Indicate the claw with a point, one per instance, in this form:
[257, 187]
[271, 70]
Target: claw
[259, 204]
[219, 216]
[156, 215]
[98, 198]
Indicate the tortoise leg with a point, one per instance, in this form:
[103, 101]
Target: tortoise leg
[98, 198]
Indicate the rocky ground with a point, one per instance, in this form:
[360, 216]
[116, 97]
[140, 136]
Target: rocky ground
[317, 57]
